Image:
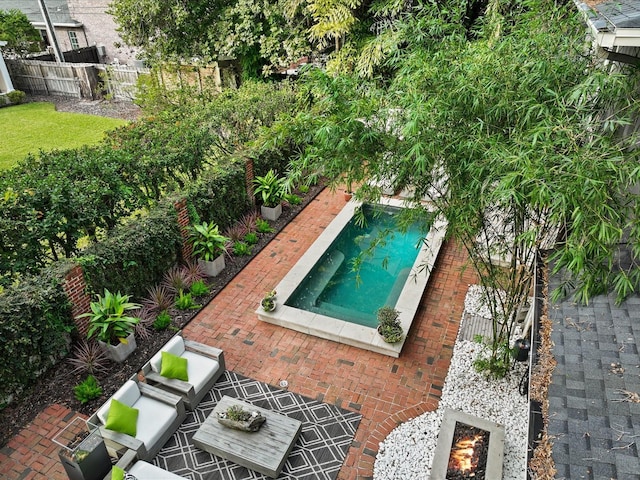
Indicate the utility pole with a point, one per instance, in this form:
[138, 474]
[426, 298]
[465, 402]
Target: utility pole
[51, 33]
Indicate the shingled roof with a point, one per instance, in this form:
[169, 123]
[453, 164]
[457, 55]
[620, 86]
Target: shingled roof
[58, 11]
[617, 13]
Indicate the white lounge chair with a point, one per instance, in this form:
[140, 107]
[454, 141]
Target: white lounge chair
[142, 470]
[205, 365]
[159, 415]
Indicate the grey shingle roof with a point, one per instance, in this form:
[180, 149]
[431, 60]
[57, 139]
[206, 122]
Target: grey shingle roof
[596, 432]
[58, 10]
[619, 13]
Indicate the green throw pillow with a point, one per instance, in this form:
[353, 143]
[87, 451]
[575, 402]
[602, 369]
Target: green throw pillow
[117, 473]
[122, 418]
[174, 367]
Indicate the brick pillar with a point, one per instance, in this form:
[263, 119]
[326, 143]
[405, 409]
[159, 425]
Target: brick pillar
[248, 176]
[75, 288]
[183, 223]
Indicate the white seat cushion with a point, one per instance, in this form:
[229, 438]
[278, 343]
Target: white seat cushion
[154, 418]
[128, 394]
[145, 471]
[175, 346]
[200, 369]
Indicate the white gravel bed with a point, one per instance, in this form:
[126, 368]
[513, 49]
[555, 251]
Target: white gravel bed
[407, 452]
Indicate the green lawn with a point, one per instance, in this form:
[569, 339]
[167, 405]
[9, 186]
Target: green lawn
[37, 126]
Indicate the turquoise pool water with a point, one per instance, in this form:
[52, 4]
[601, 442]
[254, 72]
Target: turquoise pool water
[333, 288]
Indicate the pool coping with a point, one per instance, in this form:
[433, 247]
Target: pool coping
[339, 330]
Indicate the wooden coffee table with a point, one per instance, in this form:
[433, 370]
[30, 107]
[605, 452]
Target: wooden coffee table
[264, 451]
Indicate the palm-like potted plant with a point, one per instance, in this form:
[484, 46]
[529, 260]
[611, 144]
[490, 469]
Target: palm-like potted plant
[271, 189]
[209, 246]
[388, 324]
[110, 323]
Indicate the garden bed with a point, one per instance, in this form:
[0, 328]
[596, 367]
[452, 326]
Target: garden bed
[56, 385]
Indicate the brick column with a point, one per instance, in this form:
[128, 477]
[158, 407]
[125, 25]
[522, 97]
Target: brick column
[249, 176]
[75, 288]
[183, 223]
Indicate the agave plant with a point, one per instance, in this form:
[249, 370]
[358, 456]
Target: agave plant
[144, 326]
[176, 279]
[236, 233]
[249, 220]
[88, 357]
[159, 297]
[193, 272]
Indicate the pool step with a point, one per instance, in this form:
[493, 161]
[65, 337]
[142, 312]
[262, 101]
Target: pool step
[346, 314]
[394, 294]
[329, 265]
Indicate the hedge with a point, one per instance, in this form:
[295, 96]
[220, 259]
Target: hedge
[135, 255]
[35, 321]
[220, 194]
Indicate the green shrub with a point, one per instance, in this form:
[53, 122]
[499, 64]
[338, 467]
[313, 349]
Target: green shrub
[35, 321]
[293, 199]
[16, 96]
[136, 254]
[251, 238]
[163, 320]
[50, 201]
[87, 390]
[185, 302]
[241, 248]
[219, 195]
[199, 288]
[262, 226]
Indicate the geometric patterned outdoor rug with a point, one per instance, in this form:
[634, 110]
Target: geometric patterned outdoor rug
[327, 432]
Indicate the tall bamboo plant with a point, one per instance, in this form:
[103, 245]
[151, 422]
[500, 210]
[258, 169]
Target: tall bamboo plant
[503, 133]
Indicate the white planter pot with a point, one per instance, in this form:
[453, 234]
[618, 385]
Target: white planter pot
[214, 267]
[119, 353]
[271, 213]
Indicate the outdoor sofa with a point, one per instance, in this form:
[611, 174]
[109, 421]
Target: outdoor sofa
[205, 365]
[159, 415]
[142, 470]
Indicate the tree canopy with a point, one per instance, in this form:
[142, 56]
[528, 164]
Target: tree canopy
[17, 31]
[506, 127]
[255, 32]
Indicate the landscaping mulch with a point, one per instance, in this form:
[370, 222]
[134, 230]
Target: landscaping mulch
[56, 385]
[103, 108]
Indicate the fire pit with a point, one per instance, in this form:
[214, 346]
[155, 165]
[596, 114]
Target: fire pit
[468, 448]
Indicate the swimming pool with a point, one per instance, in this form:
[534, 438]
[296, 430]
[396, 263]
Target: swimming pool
[384, 256]
[327, 324]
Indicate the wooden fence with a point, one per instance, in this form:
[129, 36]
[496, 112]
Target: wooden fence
[79, 80]
[95, 80]
[119, 81]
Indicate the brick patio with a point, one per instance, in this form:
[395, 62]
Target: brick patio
[386, 391]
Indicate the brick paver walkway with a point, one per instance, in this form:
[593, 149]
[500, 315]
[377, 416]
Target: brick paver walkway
[386, 391]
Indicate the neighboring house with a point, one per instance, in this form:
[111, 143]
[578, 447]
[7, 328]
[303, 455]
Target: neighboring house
[594, 393]
[615, 27]
[100, 30]
[78, 24]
